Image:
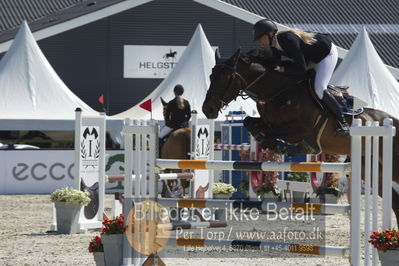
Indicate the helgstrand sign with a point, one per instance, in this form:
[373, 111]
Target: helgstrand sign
[150, 61]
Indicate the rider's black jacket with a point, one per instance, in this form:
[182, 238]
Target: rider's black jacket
[301, 53]
[177, 117]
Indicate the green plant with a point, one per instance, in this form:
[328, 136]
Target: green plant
[244, 186]
[322, 189]
[71, 196]
[223, 188]
[265, 190]
[96, 245]
[385, 240]
[299, 177]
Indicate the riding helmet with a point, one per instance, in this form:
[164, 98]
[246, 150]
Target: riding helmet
[262, 27]
[178, 90]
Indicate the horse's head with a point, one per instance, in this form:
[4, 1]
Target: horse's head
[225, 85]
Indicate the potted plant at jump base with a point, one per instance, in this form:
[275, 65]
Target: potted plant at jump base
[112, 240]
[68, 203]
[96, 247]
[387, 244]
[298, 196]
[243, 187]
[266, 192]
[328, 191]
[222, 190]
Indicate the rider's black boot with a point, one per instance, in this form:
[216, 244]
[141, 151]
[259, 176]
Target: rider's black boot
[333, 106]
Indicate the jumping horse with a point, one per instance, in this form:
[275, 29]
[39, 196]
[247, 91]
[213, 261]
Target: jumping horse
[291, 120]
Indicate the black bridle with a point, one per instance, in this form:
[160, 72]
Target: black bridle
[219, 95]
[243, 93]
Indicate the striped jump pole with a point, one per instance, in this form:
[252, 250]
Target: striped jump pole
[268, 206]
[192, 225]
[232, 147]
[168, 176]
[255, 166]
[264, 246]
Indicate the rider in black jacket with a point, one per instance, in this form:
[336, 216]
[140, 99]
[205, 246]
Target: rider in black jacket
[177, 114]
[307, 50]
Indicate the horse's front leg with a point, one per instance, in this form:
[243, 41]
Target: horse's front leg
[276, 138]
[256, 127]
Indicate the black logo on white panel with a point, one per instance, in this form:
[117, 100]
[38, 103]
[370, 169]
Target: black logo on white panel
[202, 148]
[90, 147]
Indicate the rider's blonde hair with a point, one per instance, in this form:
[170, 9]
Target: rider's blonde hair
[307, 37]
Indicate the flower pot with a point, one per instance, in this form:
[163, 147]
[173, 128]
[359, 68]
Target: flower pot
[67, 217]
[298, 196]
[222, 196]
[268, 196]
[328, 198]
[389, 257]
[99, 258]
[113, 249]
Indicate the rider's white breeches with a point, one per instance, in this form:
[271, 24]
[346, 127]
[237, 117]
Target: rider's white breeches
[324, 70]
[165, 130]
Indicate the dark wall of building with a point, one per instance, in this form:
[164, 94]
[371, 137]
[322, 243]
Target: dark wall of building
[89, 59]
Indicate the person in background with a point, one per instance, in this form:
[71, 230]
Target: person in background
[306, 51]
[177, 113]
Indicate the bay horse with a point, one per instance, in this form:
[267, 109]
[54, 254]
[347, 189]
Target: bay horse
[178, 146]
[291, 121]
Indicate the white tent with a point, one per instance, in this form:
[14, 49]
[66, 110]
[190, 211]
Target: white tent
[192, 71]
[29, 86]
[33, 97]
[368, 78]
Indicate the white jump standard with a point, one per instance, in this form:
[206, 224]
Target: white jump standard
[145, 134]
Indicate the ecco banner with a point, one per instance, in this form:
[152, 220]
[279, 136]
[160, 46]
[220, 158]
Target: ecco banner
[150, 61]
[43, 171]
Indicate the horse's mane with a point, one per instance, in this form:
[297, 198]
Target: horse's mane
[268, 57]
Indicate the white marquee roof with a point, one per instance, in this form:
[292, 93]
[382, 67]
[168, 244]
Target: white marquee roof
[29, 86]
[367, 76]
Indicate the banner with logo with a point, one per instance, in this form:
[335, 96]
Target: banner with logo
[43, 171]
[150, 61]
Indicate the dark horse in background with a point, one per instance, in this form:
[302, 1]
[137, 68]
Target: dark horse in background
[291, 120]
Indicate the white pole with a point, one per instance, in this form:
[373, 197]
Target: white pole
[252, 157]
[355, 196]
[78, 126]
[367, 208]
[376, 166]
[153, 180]
[194, 123]
[127, 202]
[137, 190]
[101, 177]
[387, 176]
[211, 156]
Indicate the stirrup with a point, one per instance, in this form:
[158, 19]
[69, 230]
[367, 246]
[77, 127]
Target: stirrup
[343, 131]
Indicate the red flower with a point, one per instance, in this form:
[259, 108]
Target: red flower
[96, 245]
[385, 240]
[114, 226]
